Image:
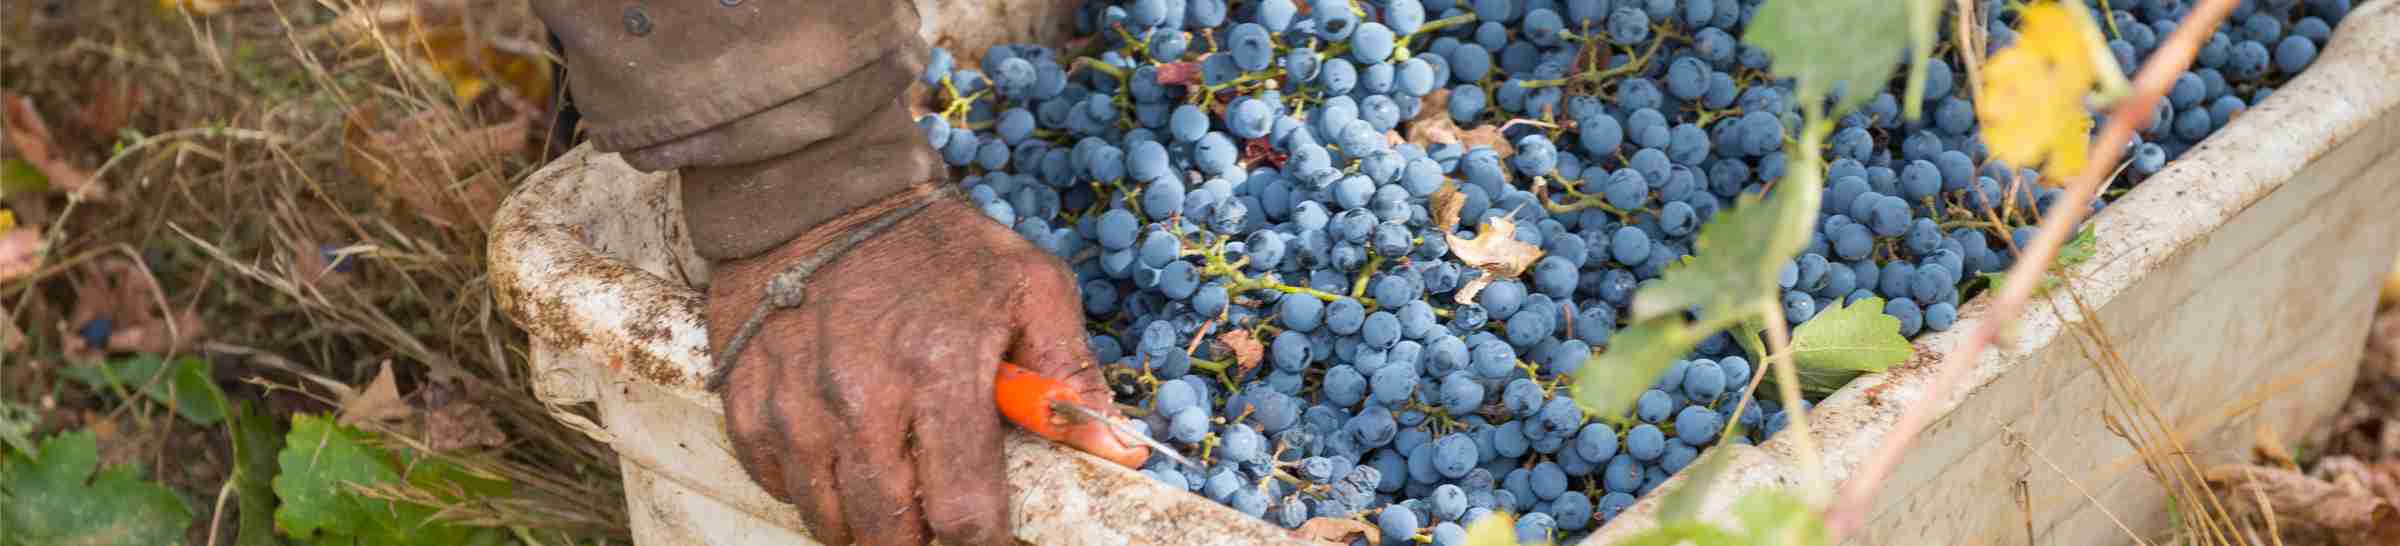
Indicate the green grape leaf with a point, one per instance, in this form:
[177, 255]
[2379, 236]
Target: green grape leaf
[16, 426]
[20, 178]
[1684, 502]
[183, 384]
[2077, 250]
[1855, 44]
[324, 467]
[320, 462]
[1777, 518]
[54, 497]
[1608, 384]
[2080, 248]
[1736, 256]
[255, 440]
[1844, 341]
[1747, 335]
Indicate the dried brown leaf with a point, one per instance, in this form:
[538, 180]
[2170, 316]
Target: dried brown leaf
[1336, 531]
[120, 290]
[2351, 513]
[1246, 351]
[379, 401]
[200, 8]
[21, 252]
[154, 336]
[1432, 124]
[1446, 203]
[1488, 136]
[1428, 131]
[1495, 250]
[1467, 292]
[312, 267]
[108, 106]
[474, 56]
[1183, 73]
[459, 423]
[1435, 105]
[11, 337]
[440, 171]
[30, 135]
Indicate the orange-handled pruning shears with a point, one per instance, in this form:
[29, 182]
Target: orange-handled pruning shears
[1049, 409]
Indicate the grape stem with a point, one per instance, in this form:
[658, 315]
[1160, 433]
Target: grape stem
[2153, 81]
[1437, 25]
[1217, 266]
[1103, 67]
[1630, 66]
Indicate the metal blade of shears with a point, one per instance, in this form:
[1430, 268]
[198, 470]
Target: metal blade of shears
[1124, 432]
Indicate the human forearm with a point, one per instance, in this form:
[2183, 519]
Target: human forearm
[780, 114]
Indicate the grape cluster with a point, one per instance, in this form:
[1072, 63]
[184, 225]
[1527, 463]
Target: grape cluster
[2262, 43]
[1267, 287]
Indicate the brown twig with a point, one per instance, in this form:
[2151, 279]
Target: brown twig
[2155, 78]
[1970, 36]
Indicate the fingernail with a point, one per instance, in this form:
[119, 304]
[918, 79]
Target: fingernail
[1102, 442]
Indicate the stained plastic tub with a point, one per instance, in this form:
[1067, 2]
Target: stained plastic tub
[2237, 284]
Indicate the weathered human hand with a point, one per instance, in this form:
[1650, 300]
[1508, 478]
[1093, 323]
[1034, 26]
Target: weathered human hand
[870, 405]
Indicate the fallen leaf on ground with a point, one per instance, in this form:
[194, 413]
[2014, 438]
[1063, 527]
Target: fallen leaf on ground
[1495, 250]
[379, 401]
[1246, 351]
[473, 55]
[425, 163]
[321, 266]
[201, 8]
[1446, 202]
[38, 147]
[108, 105]
[11, 338]
[1336, 531]
[21, 252]
[456, 420]
[118, 290]
[2352, 514]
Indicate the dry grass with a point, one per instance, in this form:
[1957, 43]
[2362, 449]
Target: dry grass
[230, 178]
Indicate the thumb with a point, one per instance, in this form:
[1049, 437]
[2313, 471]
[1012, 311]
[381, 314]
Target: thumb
[1049, 340]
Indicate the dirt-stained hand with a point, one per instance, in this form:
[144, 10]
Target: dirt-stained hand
[870, 406]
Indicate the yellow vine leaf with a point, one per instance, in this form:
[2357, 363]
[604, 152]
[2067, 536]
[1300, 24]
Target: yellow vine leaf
[2031, 106]
[1497, 529]
[472, 56]
[198, 7]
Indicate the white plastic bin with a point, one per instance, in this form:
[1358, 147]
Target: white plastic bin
[2238, 282]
